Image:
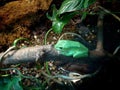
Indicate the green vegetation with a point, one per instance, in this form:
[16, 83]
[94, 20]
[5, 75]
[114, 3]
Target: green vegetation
[69, 8]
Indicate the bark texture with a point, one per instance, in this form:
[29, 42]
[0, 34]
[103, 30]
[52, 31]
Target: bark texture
[48, 53]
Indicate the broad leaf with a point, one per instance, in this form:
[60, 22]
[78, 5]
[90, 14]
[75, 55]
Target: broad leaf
[74, 5]
[67, 11]
[69, 6]
[8, 83]
[54, 14]
[86, 3]
[58, 24]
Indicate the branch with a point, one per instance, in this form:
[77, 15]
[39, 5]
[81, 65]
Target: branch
[99, 51]
[29, 54]
[42, 54]
[99, 46]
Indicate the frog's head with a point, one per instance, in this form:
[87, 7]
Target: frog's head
[60, 45]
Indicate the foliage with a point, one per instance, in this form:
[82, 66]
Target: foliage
[14, 82]
[10, 83]
[67, 10]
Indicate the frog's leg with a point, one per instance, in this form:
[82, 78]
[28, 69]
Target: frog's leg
[80, 54]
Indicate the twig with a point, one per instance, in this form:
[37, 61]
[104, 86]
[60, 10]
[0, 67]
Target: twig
[43, 53]
[9, 49]
[51, 77]
[107, 11]
[116, 50]
[70, 33]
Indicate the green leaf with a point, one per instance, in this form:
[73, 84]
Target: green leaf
[80, 6]
[54, 13]
[83, 16]
[69, 6]
[86, 3]
[58, 24]
[67, 10]
[8, 83]
[74, 5]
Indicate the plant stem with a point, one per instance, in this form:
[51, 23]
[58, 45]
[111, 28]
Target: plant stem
[70, 33]
[107, 11]
[45, 40]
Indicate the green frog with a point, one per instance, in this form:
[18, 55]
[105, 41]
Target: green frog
[71, 48]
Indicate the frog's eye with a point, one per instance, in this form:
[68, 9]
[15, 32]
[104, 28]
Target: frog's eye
[60, 47]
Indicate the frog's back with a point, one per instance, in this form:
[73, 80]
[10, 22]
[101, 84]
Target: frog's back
[68, 43]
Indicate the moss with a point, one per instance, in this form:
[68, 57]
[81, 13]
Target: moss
[16, 17]
[6, 39]
[15, 10]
